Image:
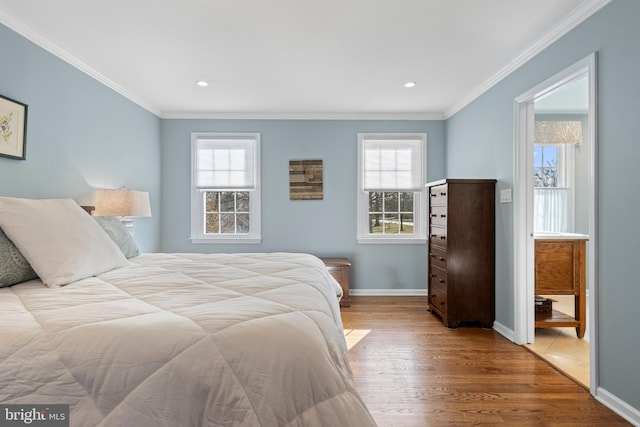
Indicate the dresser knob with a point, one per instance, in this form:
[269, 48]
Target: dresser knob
[442, 237]
[441, 280]
[441, 302]
[443, 194]
[442, 259]
[443, 216]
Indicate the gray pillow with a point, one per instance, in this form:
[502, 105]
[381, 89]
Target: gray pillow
[14, 268]
[119, 235]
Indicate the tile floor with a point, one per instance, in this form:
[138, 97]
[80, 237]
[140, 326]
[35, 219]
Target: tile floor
[561, 347]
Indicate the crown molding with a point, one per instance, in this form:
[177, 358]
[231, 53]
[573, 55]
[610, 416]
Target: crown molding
[27, 32]
[304, 116]
[33, 36]
[579, 15]
[574, 19]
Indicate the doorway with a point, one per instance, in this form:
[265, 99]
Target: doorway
[568, 95]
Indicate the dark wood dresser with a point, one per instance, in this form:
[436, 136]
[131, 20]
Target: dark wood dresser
[461, 251]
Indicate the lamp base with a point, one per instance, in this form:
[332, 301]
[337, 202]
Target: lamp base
[128, 224]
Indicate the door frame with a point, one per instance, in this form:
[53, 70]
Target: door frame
[524, 312]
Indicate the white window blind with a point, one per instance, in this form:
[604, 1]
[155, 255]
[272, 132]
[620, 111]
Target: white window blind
[225, 163]
[392, 164]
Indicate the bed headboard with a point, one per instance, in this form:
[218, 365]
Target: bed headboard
[89, 209]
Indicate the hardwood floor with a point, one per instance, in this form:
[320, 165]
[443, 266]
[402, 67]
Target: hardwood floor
[561, 347]
[413, 371]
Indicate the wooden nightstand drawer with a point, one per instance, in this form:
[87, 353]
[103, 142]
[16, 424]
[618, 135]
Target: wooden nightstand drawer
[339, 269]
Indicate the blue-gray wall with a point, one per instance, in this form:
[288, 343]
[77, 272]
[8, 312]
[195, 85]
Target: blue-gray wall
[323, 227]
[81, 135]
[480, 142]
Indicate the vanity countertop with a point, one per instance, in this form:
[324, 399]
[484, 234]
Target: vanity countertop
[560, 236]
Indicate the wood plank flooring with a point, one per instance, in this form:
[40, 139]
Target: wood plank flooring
[412, 371]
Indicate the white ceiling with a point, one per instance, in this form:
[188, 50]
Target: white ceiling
[297, 58]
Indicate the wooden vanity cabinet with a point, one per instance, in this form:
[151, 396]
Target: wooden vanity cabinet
[461, 251]
[560, 269]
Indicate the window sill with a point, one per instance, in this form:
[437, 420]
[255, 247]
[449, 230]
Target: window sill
[392, 240]
[227, 240]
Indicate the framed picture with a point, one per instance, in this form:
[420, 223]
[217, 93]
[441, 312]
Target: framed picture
[13, 128]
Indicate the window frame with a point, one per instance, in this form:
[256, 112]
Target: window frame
[419, 235]
[198, 234]
[564, 165]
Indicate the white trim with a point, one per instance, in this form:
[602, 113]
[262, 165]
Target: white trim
[618, 406]
[593, 287]
[40, 40]
[419, 202]
[504, 331]
[389, 293]
[523, 227]
[196, 205]
[409, 116]
[522, 220]
[393, 240]
[579, 15]
[239, 240]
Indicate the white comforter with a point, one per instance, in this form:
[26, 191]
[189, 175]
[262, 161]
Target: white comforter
[184, 340]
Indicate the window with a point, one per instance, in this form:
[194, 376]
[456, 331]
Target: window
[553, 152]
[545, 166]
[225, 194]
[553, 174]
[391, 188]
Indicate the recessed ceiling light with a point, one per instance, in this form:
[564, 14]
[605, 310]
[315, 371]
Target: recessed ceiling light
[410, 84]
[202, 83]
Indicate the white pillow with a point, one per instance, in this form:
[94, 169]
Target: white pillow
[59, 239]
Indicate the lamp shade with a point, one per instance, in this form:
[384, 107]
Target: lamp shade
[122, 202]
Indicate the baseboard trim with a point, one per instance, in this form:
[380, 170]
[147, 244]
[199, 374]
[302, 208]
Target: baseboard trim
[504, 331]
[618, 406]
[388, 292]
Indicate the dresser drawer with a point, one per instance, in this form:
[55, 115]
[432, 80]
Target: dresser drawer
[438, 195]
[438, 215]
[437, 257]
[438, 279]
[438, 300]
[438, 236]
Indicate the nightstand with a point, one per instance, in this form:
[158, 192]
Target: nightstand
[339, 269]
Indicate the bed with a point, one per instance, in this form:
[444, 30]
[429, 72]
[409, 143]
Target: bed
[168, 339]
